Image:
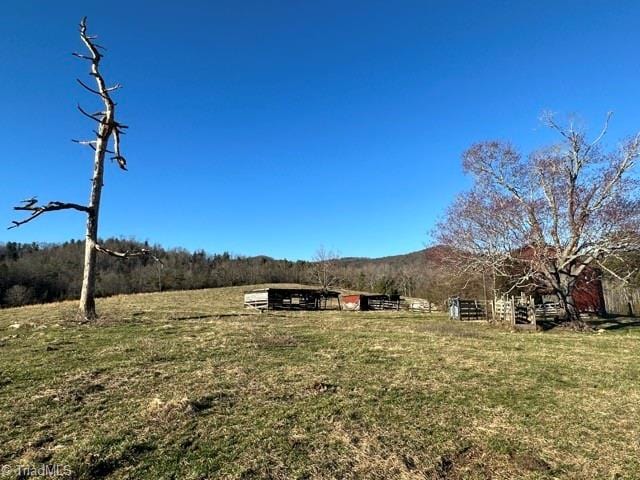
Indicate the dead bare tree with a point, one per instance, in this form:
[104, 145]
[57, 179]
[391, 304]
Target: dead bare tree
[108, 133]
[324, 268]
[541, 220]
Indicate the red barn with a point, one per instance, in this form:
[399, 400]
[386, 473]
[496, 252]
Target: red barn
[587, 294]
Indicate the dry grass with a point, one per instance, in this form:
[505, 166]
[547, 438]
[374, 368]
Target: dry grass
[190, 385]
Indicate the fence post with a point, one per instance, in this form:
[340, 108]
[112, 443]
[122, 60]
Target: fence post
[513, 310]
[531, 311]
[534, 320]
[493, 307]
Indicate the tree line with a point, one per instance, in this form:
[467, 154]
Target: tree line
[38, 273]
[34, 273]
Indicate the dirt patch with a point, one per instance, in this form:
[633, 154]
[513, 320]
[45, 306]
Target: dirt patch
[409, 462]
[531, 462]
[191, 317]
[78, 388]
[324, 387]
[95, 466]
[4, 381]
[456, 465]
[189, 406]
[207, 402]
[42, 440]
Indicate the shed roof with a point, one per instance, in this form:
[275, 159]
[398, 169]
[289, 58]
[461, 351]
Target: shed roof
[326, 293]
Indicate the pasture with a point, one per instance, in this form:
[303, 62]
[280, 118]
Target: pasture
[188, 385]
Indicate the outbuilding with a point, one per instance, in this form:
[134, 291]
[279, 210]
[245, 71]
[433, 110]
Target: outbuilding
[367, 301]
[275, 298]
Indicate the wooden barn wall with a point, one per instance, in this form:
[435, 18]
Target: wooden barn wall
[293, 300]
[618, 298]
[588, 293]
[258, 300]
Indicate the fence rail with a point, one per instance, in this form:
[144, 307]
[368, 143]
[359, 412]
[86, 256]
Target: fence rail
[522, 310]
[419, 305]
[463, 309]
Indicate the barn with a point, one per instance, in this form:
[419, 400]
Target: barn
[364, 301]
[588, 293]
[291, 299]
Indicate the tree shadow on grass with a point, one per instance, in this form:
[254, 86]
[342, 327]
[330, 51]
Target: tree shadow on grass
[607, 323]
[615, 323]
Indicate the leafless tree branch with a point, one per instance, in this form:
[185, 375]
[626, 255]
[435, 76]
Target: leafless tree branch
[31, 205]
[128, 253]
[94, 116]
[324, 267]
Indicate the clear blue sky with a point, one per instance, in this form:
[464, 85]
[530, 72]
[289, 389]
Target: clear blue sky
[273, 127]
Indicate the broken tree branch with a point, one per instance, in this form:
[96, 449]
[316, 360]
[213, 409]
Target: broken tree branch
[89, 143]
[116, 146]
[81, 56]
[31, 206]
[91, 116]
[87, 87]
[127, 253]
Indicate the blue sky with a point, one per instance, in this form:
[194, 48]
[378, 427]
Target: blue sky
[275, 127]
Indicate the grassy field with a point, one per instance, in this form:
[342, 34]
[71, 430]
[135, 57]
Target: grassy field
[187, 385]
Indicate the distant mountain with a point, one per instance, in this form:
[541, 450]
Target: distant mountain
[420, 258]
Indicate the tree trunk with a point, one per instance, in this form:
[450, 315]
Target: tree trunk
[87, 311]
[569, 312]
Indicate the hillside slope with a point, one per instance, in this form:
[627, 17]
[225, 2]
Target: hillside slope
[189, 385]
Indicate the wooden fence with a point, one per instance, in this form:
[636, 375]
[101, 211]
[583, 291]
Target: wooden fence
[522, 310]
[546, 310]
[380, 303]
[461, 309]
[515, 310]
[420, 305]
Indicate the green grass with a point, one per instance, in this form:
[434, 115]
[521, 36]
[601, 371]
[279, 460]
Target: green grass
[188, 385]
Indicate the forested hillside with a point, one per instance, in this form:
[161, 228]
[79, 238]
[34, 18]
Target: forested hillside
[32, 273]
[35, 273]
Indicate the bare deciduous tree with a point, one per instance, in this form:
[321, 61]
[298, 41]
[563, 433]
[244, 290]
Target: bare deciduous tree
[541, 220]
[324, 268]
[108, 134]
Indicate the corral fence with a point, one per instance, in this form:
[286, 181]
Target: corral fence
[465, 309]
[420, 305]
[384, 302]
[520, 311]
[515, 310]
